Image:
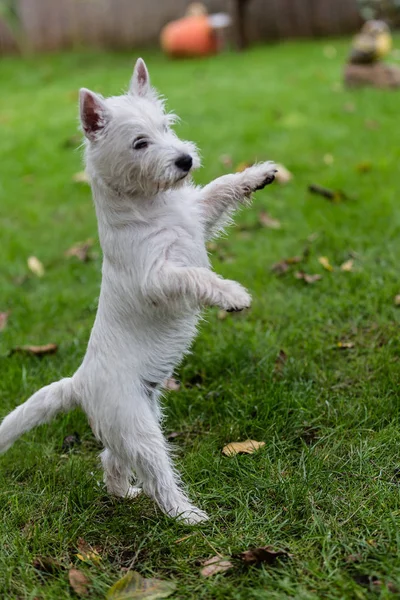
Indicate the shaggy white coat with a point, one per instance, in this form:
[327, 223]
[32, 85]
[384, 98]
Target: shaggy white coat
[153, 224]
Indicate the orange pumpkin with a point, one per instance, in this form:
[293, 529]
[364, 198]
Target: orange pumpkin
[189, 36]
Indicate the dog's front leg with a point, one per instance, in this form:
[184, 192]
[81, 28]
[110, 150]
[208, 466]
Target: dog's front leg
[199, 285]
[222, 196]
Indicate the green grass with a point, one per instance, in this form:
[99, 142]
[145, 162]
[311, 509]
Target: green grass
[326, 484]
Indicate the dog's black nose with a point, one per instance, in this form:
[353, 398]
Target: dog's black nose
[184, 162]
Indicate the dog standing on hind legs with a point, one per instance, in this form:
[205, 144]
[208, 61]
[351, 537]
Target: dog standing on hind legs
[153, 224]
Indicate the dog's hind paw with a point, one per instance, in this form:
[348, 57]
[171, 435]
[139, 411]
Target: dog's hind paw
[189, 515]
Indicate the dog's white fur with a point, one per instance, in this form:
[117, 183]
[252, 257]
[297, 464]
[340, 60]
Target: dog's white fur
[153, 224]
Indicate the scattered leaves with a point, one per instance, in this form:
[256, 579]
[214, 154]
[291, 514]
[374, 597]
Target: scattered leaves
[246, 447]
[3, 319]
[172, 384]
[70, 441]
[134, 586]
[280, 362]
[86, 552]
[345, 345]
[324, 261]
[348, 265]
[36, 350]
[36, 266]
[216, 564]
[283, 265]
[332, 195]
[81, 177]
[78, 581]
[282, 175]
[80, 250]
[307, 278]
[267, 221]
[264, 554]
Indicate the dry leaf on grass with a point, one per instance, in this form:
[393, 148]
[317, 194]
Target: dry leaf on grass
[214, 565]
[282, 175]
[265, 554]
[80, 250]
[345, 345]
[172, 384]
[324, 261]
[36, 266]
[283, 265]
[306, 277]
[348, 265]
[353, 558]
[36, 350]
[397, 300]
[79, 582]
[134, 586]
[86, 552]
[47, 564]
[280, 362]
[3, 319]
[267, 221]
[81, 177]
[246, 447]
[333, 195]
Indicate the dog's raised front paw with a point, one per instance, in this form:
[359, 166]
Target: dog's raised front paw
[234, 297]
[261, 175]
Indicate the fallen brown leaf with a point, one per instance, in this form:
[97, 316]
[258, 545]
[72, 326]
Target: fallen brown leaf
[36, 266]
[324, 261]
[3, 319]
[307, 278]
[216, 564]
[81, 177]
[267, 221]
[36, 350]
[345, 345]
[280, 362]
[80, 250]
[246, 447]
[282, 175]
[172, 384]
[283, 265]
[134, 586]
[265, 554]
[348, 265]
[79, 582]
[353, 558]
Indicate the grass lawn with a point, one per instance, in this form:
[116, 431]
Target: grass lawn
[326, 484]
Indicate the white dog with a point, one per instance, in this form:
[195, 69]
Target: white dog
[153, 225]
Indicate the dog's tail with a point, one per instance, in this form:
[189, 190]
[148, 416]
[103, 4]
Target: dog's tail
[39, 408]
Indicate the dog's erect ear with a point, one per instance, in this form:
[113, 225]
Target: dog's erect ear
[93, 112]
[140, 82]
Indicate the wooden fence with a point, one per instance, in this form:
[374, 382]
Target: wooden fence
[56, 24]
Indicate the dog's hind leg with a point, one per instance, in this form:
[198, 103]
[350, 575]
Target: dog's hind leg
[138, 444]
[117, 476]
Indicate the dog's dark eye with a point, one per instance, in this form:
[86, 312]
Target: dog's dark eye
[140, 143]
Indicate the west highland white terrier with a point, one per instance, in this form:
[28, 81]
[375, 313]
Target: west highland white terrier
[153, 225]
